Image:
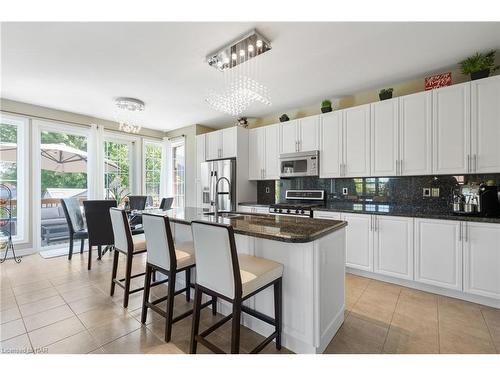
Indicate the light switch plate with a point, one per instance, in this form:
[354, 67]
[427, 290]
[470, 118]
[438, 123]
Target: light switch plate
[426, 192]
[435, 192]
[345, 191]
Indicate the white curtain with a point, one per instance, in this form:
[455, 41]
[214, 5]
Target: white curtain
[95, 158]
[166, 169]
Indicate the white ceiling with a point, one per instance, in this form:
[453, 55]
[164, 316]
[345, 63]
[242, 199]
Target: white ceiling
[81, 67]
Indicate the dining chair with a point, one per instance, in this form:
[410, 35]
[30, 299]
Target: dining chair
[166, 203]
[99, 226]
[233, 277]
[129, 245]
[76, 225]
[169, 258]
[137, 202]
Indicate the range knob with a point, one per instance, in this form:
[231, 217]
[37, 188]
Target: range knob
[288, 211]
[280, 210]
[302, 212]
[297, 211]
[275, 210]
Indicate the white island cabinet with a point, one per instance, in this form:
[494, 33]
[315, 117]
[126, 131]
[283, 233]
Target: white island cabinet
[313, 282]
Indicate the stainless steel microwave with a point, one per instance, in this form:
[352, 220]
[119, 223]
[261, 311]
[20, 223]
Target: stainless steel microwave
[299, 164]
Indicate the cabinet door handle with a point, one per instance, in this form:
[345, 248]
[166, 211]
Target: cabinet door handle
[466, 229]
[468, 163]
[475, 162]
[264, 173]
[460, 233]
[400, 167]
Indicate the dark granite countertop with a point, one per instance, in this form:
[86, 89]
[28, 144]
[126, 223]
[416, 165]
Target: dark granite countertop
[255, 204]
[402, 210]
[273, 227]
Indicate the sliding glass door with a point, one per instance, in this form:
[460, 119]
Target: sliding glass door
[118, 168]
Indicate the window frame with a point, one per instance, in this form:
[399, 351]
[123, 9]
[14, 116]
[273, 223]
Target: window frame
[23, 176]
[145, 142]
[173, 144]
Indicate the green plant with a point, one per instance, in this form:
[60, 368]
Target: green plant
[326, 104]
[478, 62]
[386, 91]
[117, 191]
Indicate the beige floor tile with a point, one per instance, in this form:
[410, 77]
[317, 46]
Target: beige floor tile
[81, 343]
[97, 351]
[47, 317]
[114, 329]
[139, 341]
[165, 348]
[36, 295]
[80, 293]
[31, 287]
[45, 336]
[376, 305]
[9, 315]
[16, 345]
[358, 336]
[380, 287]
[356, 281]
[455, 340]
[102, 315]
[8, 303]
[90, 303]
[42, 305]
[12, 329]
[492, 318]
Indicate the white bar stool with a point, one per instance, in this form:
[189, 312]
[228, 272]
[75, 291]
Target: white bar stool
[129, 245]
[169, 259]
[221, 272]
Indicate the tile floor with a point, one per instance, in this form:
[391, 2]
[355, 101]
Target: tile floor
[57, 306]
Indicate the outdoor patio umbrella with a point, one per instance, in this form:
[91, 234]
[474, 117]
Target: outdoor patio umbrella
[56, 157]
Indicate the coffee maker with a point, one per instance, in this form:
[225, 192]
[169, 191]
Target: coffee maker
[476, 199]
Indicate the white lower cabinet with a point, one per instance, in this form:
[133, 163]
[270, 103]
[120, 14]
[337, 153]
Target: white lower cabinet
[438, 253]
[482, 259]
[359, 241]
[393, 246]
[253, 209]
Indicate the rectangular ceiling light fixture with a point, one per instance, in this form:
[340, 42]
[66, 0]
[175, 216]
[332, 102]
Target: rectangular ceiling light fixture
[237, 52]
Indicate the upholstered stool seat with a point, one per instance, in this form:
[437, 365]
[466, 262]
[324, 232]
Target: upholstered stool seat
[222, 272]
[139, 241]
[184, 252]
[257, 272]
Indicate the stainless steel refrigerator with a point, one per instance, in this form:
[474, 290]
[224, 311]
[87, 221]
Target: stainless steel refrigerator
[211, 172]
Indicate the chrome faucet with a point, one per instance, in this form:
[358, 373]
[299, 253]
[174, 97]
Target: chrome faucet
[216, 206]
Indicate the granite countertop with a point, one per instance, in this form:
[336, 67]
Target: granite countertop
[402, 210]
[255, 204]
[273, 227]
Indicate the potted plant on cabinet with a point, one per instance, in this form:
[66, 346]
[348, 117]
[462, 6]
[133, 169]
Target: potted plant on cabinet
[479, 65]
[326, 106]
[385, 93]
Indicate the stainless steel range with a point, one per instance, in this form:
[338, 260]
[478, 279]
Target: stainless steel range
[299, 203]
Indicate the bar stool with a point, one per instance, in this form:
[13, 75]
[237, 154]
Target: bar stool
[129, 245]
[221, 272]
[169, 259]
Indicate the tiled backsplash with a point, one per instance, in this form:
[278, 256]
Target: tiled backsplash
[390, 190]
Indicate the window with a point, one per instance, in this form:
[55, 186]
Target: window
[117, 163]
[178, 172]
[13, 164]
[152, 171]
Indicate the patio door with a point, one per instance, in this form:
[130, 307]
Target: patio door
[61, 171]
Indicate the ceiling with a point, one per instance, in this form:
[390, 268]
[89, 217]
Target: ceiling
[82, 67]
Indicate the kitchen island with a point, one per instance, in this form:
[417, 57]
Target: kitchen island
[312, 252]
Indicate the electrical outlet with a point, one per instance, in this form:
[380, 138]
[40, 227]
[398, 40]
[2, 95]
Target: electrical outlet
[435, 192]
[345, 191]
[267, 190]
[426, 192]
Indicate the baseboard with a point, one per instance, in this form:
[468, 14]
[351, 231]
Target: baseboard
[19, 253]
[427, 288]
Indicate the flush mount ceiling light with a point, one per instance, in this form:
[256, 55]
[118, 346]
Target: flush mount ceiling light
[126, 114]
[240, 86]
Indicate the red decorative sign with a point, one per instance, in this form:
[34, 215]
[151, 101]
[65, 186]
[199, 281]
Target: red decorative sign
[439, 80]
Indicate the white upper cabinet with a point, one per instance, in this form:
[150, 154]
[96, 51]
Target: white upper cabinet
[393, 246]
[438, 253]
[200, 158]
[212, 145]
[330, 150]
[263, 158]
[271, 155]
[359, 241]
[300, 135]
[221, 144]
[229, 142]
[482, 259]
[485, 125]
[451, 123]
[256, 154]
[415, 134]
[308, 134]
[289, 130]
[357, 141]
[384, 138]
